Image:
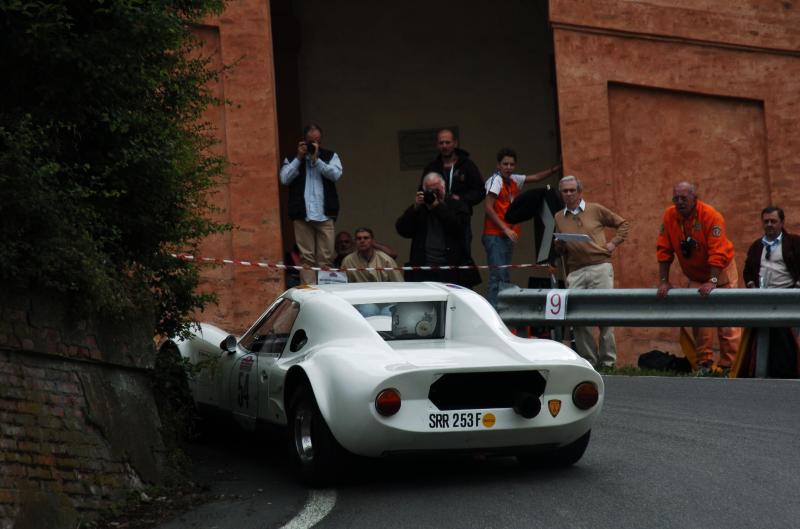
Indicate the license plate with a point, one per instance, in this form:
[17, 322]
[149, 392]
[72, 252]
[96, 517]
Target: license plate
[460, 420]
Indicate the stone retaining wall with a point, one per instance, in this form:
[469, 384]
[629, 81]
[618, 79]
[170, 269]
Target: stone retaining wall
[79, 426]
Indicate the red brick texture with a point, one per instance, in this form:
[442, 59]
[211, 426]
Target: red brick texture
[652, 93]
[47, 443]
[248, 132]
[78, 424]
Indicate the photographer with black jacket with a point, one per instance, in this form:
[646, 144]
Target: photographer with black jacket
[435, 223]
[462, 179]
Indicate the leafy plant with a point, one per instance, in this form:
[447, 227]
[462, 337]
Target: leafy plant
[105, 163]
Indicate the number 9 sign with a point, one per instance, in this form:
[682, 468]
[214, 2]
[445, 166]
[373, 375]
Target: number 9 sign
[556, 306]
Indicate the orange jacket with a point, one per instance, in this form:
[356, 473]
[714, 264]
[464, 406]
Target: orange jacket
[707, 227]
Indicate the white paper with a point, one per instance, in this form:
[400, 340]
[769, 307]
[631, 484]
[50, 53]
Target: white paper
[326, 277]
[556, 306]
[573, 237]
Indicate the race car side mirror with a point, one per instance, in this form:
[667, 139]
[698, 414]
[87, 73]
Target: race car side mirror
[228, 344]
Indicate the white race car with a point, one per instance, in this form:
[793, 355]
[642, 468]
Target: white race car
[379, 369]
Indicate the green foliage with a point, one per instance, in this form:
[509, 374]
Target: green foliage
[105, 163]
[175, 405]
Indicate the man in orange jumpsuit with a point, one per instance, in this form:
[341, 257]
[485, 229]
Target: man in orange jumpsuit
[695, 232]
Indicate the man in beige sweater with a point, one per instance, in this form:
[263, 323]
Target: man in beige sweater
[588, 263]
[367, 256]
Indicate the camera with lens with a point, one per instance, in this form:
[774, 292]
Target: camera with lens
[310, 148]
[687, 247]
[429, 197]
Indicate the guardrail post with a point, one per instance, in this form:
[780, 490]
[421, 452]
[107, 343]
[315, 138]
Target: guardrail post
[762, 352]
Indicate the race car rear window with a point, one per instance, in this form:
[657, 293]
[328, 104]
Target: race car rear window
[412, 320]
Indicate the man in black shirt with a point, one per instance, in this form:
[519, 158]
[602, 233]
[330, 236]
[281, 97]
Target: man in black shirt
[435, 224]
[462, 179]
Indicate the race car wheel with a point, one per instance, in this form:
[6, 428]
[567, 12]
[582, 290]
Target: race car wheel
[560, 457]
[311, 441]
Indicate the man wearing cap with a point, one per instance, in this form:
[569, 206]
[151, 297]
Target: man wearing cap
[695, 232]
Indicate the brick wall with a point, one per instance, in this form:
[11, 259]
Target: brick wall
[654, 92]
[247, 130]
[78, 427]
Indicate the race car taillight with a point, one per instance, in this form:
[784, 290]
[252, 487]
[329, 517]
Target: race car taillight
[585, 395]
[387, 403]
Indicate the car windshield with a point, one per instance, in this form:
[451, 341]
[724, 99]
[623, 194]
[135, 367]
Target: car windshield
[412, 320]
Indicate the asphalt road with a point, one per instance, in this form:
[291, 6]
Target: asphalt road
[666, 453]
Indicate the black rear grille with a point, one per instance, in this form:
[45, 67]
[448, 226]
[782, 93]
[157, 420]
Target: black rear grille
[467, 391]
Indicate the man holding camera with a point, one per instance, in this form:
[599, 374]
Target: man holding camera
[462, 178]
[695, 232]
[313, 202]
[435, 224]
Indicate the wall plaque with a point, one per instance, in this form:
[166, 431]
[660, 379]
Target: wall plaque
[418, 147]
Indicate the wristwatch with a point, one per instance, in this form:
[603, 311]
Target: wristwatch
[714, 280]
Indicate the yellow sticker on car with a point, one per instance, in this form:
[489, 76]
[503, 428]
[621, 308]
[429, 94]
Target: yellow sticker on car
[488, 420]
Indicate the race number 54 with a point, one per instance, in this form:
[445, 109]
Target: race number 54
[556, 306]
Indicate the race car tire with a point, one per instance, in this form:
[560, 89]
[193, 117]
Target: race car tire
[560, 457]
[318, 453]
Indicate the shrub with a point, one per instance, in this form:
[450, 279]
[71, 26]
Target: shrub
[105, 164]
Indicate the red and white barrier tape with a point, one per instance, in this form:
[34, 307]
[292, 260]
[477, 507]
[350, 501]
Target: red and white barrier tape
[281, 266]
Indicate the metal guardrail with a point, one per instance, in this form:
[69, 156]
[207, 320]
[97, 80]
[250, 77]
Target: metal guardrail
[639, 307]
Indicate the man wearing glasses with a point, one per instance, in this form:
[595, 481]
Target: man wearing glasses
[695, 232]
[588, 262]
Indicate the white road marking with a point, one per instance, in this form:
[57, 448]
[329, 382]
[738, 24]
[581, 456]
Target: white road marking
[317, 507]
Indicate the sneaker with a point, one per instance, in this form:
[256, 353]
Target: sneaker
[704, 370]
[607, 369]
[722, 371]
[712, 370]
